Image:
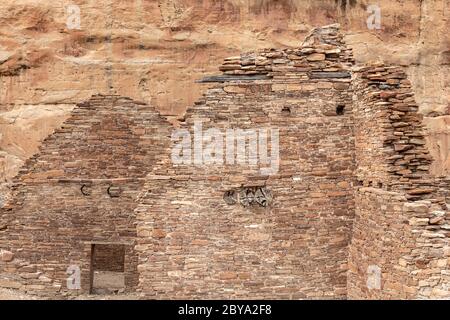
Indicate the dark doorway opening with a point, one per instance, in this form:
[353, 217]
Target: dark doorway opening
[107, 268]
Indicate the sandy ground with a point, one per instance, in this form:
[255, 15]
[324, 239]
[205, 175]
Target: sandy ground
[105, 283]
[8, 294]
[108, 282]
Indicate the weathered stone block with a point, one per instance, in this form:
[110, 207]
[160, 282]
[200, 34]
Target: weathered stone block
[6, 256]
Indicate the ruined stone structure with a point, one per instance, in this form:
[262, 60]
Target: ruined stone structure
[77, 196]
[349, 211]
[401, 217]
[208, 248]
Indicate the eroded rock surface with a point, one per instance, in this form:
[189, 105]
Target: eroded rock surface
[154, 50]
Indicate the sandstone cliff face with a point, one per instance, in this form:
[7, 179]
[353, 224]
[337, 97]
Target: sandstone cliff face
[154, 50]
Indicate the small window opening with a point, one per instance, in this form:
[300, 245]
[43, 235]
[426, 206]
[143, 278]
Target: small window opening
[340, 109]
[286, 111]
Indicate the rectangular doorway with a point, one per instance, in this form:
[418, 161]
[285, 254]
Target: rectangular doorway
[107, 268]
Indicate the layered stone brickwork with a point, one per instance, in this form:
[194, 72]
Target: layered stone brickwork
[193, 244]
[108, 257]
[408, 241]
[390, 129]
[401, 224]
[79, 190]
[350, 210]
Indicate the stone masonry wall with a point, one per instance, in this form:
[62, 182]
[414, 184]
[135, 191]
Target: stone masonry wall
[79, 190]
[401, 225]
[108, 257]
[407, 240]
[350, 210]
[193, 244]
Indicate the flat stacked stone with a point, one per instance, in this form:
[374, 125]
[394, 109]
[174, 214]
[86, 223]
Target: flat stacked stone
[79, 189]
[323, 55]
[352, 190]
